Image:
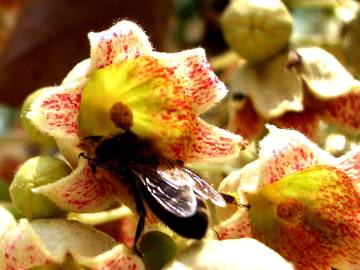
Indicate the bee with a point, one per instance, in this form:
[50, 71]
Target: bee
[174, 193]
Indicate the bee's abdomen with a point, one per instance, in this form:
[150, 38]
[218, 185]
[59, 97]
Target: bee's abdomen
[194, 226]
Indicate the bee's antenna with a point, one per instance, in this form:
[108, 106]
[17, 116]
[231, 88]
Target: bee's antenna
[247, 206]
[232, 199]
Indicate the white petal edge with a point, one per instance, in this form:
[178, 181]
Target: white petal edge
[115, 38]
[79, 71]
[324, 74]
[239, 254]
[43, 241]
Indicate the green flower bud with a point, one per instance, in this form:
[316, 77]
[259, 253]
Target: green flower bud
[157, 248]
[33, 132]
[256, 29]
[36, 172]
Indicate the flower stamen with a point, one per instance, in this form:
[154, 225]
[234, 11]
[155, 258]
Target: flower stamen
[121, 116]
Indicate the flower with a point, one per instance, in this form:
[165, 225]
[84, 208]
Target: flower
[228, 255]
[125, 84]
[296, 90]
[304, 203]
[41, 242]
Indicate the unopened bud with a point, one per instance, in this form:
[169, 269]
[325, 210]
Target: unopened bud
[256, 29]
[33, 173]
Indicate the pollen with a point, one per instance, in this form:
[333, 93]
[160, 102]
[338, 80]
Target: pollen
[121, 116]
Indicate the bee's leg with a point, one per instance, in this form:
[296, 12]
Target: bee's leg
[140, 227]
[141, 210]
[95, 163]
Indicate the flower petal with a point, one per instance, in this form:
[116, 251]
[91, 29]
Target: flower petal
[244, 120]
[84, 191]
[283, 152]
[43, 242]
[272, 88]
[7, 221]
[125, 40]
[167, 119]
[132, 83]
[247, 179]
[211, 143]
[310, 217]
[343, 112]
[350, 164]
[323, 74]
[118, 258]
[55, 112]
[237, 226]
[20, 248]
[240, 254]
[79, 71]
[194, 74]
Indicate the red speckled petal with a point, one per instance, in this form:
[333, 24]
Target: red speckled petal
[43, 242]
[20, 248]
[306, 122]
[84, 191]
[55, 112]
[350, 164]
[244, 120]
[194, 74]
[283, 152]
[237, 226]
[119, 258]
[210, 143]
[343, 112]
[311, 218]
[125, 40]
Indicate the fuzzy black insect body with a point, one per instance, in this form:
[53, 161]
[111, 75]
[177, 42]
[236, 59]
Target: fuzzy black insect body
[174, 193]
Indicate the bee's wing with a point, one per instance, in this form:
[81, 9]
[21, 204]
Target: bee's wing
[198, 184]
[174, 196]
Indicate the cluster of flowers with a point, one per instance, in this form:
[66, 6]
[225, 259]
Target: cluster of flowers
[304, 203]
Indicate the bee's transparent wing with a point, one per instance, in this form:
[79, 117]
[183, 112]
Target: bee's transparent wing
[174, 196]
[187, 177]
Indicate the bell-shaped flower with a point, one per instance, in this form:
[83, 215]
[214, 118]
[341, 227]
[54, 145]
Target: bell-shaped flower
[43, 242]
[126, 85]
[303, 202]
[295, 89]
